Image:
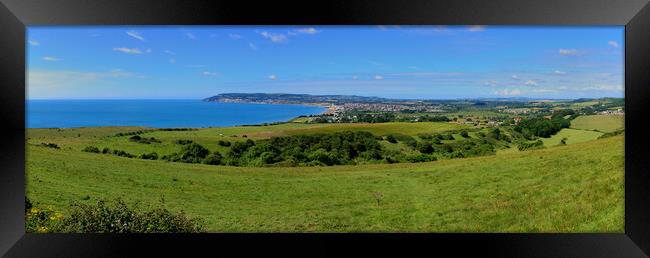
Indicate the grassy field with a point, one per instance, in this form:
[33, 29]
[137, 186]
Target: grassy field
[572, 188]
[572, 136]
[602, 123]
[79, 138]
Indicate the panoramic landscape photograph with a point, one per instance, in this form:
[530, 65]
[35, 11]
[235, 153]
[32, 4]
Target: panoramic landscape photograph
[377, 129]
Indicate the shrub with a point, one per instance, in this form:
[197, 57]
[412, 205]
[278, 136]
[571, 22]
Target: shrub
[213, 159]
[92, 149]
[224, 143]
[151, 156]
[184, 142]
[50, 145]
[122, 153]
[39, 220]
[116, 217]
[193, 153]
[464, 134]
[135, 138]
[425, 147]
[106, 150]
[420, 158]
[144, 140]
[391, 138]
[531, 145]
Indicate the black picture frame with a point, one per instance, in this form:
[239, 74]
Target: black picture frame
[15, 15]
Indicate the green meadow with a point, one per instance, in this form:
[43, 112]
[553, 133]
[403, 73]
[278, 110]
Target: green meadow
[571, 136]
[576, 187]
[601, 123]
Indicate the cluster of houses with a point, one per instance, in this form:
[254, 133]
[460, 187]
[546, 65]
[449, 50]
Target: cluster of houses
[618, 112]
[477, 121]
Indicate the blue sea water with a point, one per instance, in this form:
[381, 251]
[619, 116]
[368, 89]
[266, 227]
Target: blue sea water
[157, 113]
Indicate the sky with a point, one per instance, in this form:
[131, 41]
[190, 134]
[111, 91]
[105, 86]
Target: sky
[413, 62]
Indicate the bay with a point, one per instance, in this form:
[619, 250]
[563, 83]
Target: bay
[157, 113]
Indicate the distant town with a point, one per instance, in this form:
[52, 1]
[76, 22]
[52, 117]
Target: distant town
[476, 112]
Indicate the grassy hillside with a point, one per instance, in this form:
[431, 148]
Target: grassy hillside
[602, 123]
[573, 188]
[572, 136]
[79, 138]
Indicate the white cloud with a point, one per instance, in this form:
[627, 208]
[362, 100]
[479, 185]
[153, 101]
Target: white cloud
[476, 28]
[234, 36]
[128, 50]
[33, 42]
[272, 77]
[277, 38]
[506, 92]
[515, 77]
[39, 80]
[50, 58]
[148, 50]
[558, 72]
[190, 35]
[135, 35]
[379, 77]
[310, 31]
[169, 52]
[530, 83]
[603, 87]
[491, 83]
[613, 43]
[568, 52]
[206, 73]
[354, 77]
[544, 90]
[172, 60]
[252, 46]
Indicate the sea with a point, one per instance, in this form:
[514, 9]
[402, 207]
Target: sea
[157, 113]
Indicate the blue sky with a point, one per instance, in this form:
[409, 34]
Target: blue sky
[434, 62]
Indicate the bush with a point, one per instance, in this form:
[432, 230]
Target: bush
[39, 220]
[425, 147]
[184, 142]
[144, 140]
[116, 217]
[213, 159]
[464, 134]
[223, 143]
[531, 145]
[194, 152]
[50, 145]
[106, 150]
[151, 156]
[92, 149]
[391, 138]
[122, 153]
[420, 158]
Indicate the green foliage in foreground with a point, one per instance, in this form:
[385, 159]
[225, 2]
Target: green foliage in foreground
[113, 216]
[573, 188]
